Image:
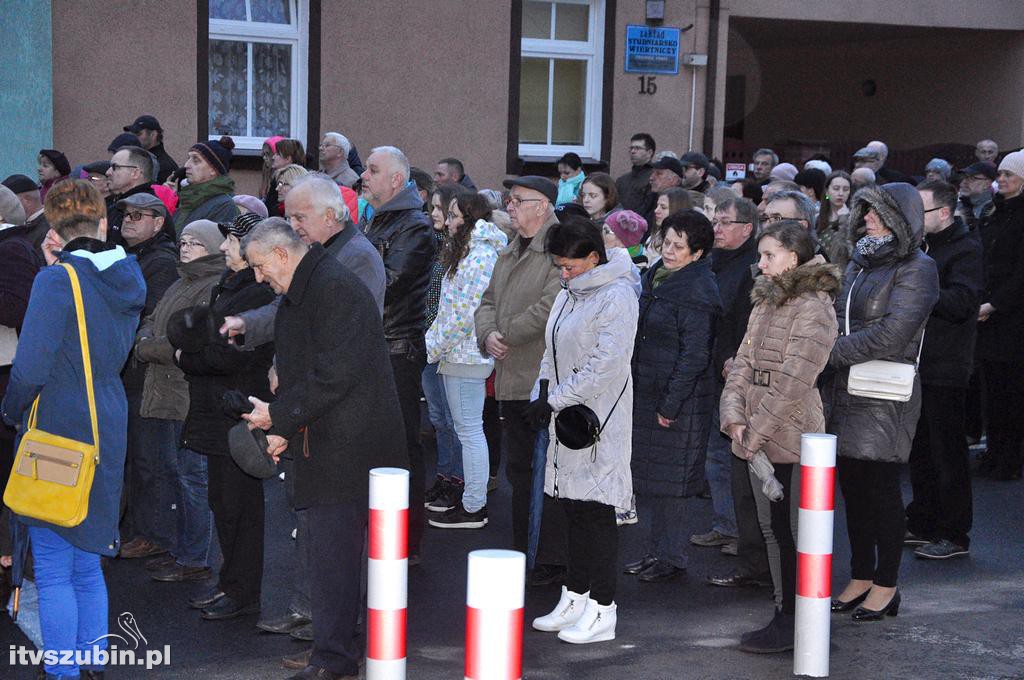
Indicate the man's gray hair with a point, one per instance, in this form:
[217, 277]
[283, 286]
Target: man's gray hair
[324, 194]
[746, 211]
[273, 232]
[804, 205]
[341, 141]
[881, 147]
[867, 174]
[398, 157]
[767, 152]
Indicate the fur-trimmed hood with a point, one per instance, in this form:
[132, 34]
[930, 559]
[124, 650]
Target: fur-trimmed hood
[900, 207]
[811, 277]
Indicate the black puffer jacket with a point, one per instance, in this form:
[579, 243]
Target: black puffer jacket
[402, 234]
[894, 290]
[672, 377]
[1000, 338]
[948, 353]
[221, 367]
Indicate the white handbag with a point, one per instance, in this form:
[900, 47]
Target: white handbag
[880, 379]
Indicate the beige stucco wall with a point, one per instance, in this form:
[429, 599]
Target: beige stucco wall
[113, 61]
[430, 78]
[983, 14]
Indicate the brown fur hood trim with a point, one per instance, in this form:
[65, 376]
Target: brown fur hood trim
[810, 277]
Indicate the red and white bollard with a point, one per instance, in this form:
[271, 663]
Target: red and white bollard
[494, 615]
[387, 576]
[814, 555]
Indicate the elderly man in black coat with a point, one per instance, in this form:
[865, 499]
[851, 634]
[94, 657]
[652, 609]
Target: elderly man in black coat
[337, 414]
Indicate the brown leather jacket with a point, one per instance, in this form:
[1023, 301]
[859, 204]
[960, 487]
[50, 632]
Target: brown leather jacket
[771, 385]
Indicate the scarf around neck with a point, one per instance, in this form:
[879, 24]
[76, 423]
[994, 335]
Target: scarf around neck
[868, 245]
[192, 196]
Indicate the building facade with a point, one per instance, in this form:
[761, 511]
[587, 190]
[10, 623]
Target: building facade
[510, 85]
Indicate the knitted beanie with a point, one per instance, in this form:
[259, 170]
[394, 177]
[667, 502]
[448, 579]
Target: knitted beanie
[217, 153]
[1013, 162]
[206, 232]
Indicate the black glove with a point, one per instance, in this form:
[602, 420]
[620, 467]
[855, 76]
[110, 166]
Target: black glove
[538, 414]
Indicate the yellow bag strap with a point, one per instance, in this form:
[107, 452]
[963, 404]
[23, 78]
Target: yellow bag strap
[83, 337]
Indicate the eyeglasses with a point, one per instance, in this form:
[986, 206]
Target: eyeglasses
[136, 215]
[282, 185]
[98, 178]
[771, 218]
[117, 166]
[725, 223]
[977, 178]
[516, 201]
[938, 207]
[325, 146]
[637, 147]
[188, 243]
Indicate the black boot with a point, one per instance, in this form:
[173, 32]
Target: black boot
[776, 637]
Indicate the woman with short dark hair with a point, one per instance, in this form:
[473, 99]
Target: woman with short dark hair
[672, 368]
[770, 397]
[589, 339]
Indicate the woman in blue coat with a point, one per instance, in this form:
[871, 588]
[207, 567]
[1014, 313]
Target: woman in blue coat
[48, 365]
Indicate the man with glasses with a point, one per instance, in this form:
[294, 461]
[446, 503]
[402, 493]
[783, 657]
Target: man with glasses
[790, 205]
[733, 496]
[334, 152]
[130, 173]
[634, 187]
[510, 325]
[143, 218]
[976, 191]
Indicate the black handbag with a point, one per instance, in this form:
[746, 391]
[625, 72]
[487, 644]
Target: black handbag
[577, 427]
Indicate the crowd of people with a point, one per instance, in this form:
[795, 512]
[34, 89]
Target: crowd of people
[620, 344]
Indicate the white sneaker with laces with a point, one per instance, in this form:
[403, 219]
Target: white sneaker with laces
[567, 612]
[596, 625]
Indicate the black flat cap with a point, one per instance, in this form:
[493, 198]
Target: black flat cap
[19, 184]
[537, 183]
[144, 122]
[669, 163]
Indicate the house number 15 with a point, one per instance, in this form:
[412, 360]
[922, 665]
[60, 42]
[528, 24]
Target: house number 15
[647, 85]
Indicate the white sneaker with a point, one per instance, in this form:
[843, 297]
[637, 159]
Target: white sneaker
[596, 625]
[567, 612]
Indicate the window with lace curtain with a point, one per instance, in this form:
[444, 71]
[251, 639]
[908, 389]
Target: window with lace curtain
[258, 56]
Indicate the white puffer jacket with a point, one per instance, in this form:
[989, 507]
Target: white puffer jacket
[593, 326]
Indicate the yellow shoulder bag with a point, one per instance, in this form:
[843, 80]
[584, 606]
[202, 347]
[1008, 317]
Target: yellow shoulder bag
[52, 475]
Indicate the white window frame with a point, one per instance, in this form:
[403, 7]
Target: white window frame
[295, 34]
[592, 52]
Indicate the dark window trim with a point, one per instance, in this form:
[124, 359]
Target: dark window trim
[514, 163]
[250, 159]
[203, 68]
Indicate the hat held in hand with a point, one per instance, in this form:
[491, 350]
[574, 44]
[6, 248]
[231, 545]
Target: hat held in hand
[249, 451]
[191, 329]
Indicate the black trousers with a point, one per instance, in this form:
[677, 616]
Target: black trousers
[751, 554]
[336, 536]
[492, 432]
[236, 500]
[782, 527]
[1004, 398]
[940, 468]
[875, 519]
[519, 441]
[593, 549]
[408, 370]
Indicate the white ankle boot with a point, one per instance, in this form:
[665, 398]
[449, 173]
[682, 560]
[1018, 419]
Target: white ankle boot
[568, 611]
[596, 625]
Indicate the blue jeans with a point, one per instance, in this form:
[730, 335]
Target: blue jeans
[194, 519]
[466, 401]
[72, 597]
[718, 470]
[449, 450]
[540, 458]
[152, 449]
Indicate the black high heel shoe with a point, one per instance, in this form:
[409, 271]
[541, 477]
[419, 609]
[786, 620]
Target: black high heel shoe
[891, 609]
[840, 606]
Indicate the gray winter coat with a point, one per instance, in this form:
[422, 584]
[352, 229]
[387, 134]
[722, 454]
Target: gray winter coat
[592, 327]
[894, 290]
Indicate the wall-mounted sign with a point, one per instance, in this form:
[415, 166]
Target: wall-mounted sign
[652, 50]
[735, 171]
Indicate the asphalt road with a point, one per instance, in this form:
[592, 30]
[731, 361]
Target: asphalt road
[959, 619]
